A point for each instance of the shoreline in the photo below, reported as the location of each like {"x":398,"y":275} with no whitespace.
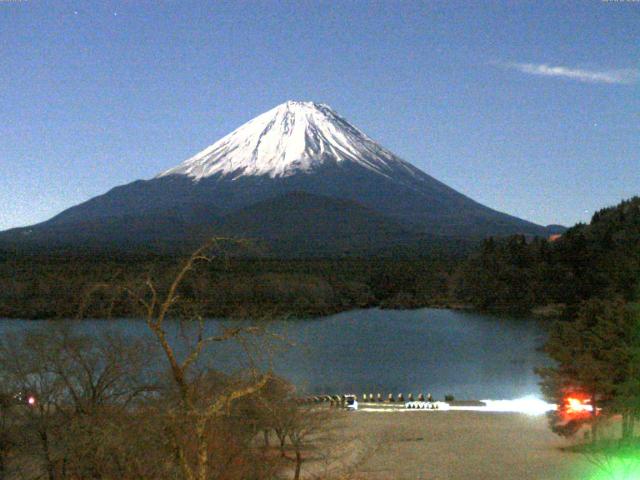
{"x":541,"y":313}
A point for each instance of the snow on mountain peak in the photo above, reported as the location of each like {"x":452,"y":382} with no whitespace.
{"x":290,"y":138}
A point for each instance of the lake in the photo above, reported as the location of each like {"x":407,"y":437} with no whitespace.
{"x":467,"y":354}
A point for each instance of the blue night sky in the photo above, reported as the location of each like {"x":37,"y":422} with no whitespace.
{"x":532,"y":108}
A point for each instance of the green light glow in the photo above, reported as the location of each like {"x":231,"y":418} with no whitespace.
{"x":615,"y":467}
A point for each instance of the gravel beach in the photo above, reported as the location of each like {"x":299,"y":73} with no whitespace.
{"x":451,"y":445}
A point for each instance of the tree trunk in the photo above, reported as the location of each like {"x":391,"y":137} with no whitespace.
{"x":296,"y":474}
{"x":266,"y":432}
{"x":594,"y":420}
{"x":625,"y":426}
{"x":51,"y":469}
{"x":2,"y":467}
{"x":282,"y":438}
{"x":203,"y":449}
{"x":628,"y":424}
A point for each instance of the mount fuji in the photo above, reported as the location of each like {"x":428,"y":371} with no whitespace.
{"x":299,"y":179}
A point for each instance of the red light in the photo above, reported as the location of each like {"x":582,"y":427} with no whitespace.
{"x":31,"y":400}
{"x":577,"y":406}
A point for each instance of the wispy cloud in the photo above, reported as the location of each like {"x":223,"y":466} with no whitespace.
{"x":626,"y":76}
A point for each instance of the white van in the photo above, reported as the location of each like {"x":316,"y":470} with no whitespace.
{"x":350,"y":402}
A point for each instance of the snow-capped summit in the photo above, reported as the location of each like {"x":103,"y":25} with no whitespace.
{"x":291,"y":138}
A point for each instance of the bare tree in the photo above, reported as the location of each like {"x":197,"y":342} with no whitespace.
{"x":197,"y":412}
{"x":277,"y":404}
{"x":103,"y":407}
{"x":8,"y":432}
{"x":305,"y":425}
{"x":68,"y":383}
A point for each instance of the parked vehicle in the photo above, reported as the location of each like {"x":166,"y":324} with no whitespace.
{"x":350,"y":402}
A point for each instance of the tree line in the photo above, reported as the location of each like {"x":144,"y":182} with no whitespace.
{"x":41,"y":286}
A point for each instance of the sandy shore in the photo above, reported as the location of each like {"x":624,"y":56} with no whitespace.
{"x":448,"y":446}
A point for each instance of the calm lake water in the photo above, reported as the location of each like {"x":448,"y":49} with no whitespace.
{"x":469,"y":355}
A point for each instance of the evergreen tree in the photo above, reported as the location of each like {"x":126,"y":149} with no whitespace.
{"x":596,"y":355}
{"x":627,"y":360}
{"x":599,"y":260}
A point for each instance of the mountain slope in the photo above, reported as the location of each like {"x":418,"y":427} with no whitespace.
{"x":299,"y":223}
{"x":295,"y":147}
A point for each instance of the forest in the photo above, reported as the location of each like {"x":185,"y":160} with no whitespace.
{"x":596,"y":260}
{"x":53,"y":286}
{"x":514,"y":274}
